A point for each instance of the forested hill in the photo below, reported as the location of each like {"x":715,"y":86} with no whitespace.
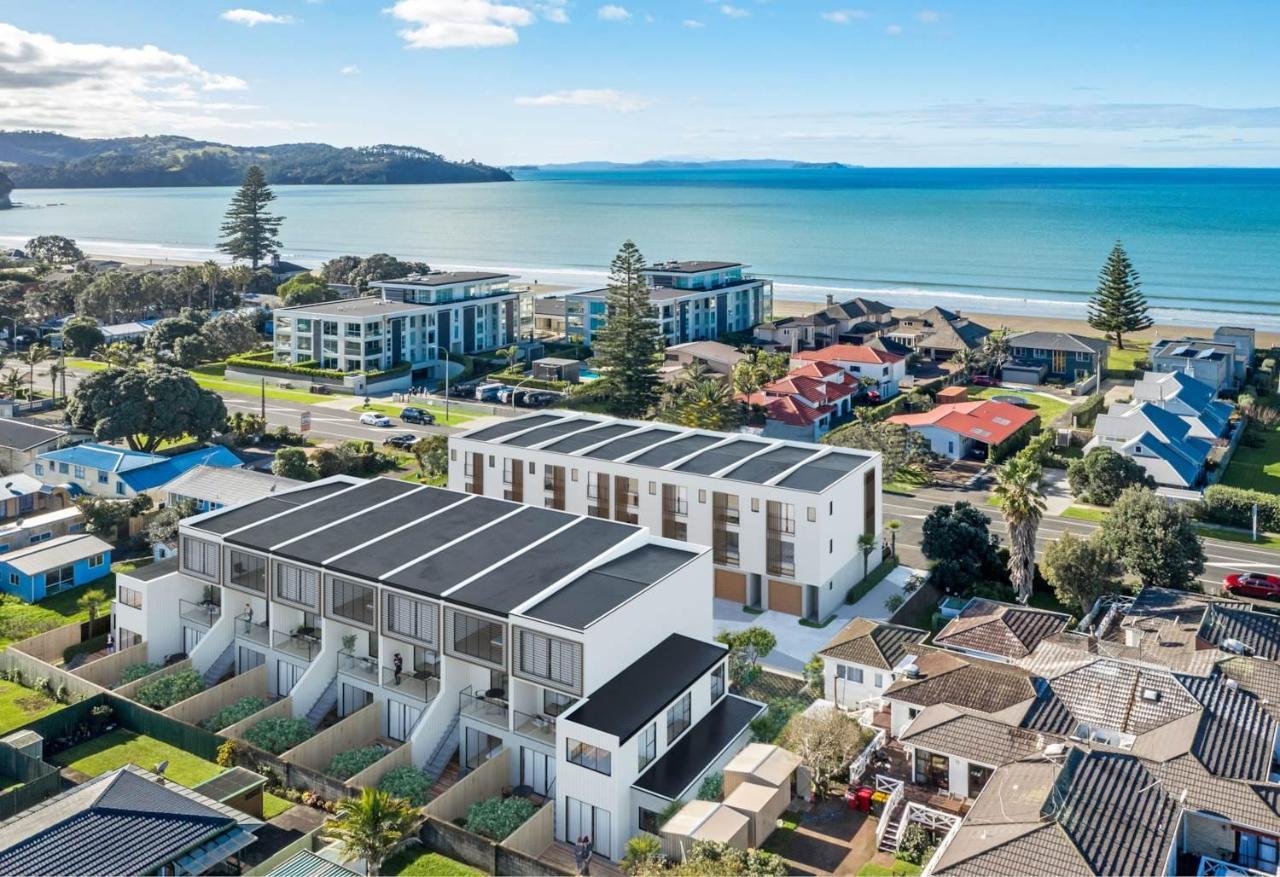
{"x":43,"y":159}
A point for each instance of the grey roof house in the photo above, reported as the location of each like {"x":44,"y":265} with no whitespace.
{"x":22,"y":440}
{"x":938,"y":334}
{"x":1210,"y":361}
{"x":1055,"y":356}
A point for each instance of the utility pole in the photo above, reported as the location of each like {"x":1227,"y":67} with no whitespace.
{"x":264,"y":403}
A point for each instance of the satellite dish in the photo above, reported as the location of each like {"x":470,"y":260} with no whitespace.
{"x":161,"y":768}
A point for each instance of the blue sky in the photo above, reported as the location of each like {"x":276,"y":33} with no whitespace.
{"x":885,"y":82}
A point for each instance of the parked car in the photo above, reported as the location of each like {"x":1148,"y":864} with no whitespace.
{"x":537,"y":399}
{"x":403,"y":441}
{"x":488,"y":392}
{"x":417,"y":415}
{"x":1253,"y":584}
{"x":373,"y":418}
{"x":984,"y":381}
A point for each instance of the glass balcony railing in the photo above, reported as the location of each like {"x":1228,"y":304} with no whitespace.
{"x":258,"y":632}
{"x":304,"y":646}
{"x":536,"y":727}
{"x":419,"y":685}
{"x":204,"y":614}
{"x":360,"y":666}
{"x":487,"y":706}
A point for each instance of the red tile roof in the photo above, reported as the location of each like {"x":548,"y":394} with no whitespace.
{"x":849,"y":353}
{"x":786,"y":410}
{"x":814,"y":390}
{"x":984,"y":420}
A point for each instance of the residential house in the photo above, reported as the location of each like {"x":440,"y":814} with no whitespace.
{"x":1212,"y":362}
{"x":1245,"y":342}
{"x":806,"y":403}
{"x":21,"y":440}
{"x":215,"y":487}
{"x":1159,"y":440}
{"x":968,"y":429}
{"x":121,"y":473}
{"x":54,"y":565}
{"x":582,"y":646}
{"x":694,"y":301}
{"x":999,"y":631}
{"x":857,"y":321}
{"x":1206,"y":416}
{"x":409,"y":321}
{"x":126,"y":821}
{"x":282,"y":270}
{"x":938,"y":334}
{"x":20,"y":532}
{"x":991,"y":688}
{"x":714,"y":356}
{"x":863,"y":362}
{"x":22,"y":495}
{"x":1038,"y":357}
{"x":783,"y":518}
{"x":861,"y":661}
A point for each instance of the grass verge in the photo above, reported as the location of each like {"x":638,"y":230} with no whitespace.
{"x":1226,"y":534}
{"x":1085,"y":513}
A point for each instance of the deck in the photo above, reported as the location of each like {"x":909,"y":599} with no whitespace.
{"x":560,"y":856}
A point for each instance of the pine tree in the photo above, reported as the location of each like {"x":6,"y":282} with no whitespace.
{"x":250,"y":232}
{"x":1118,"y":306}
{"x":629,"y":347}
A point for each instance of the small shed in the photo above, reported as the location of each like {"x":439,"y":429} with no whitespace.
{"x":707,"y":820}
{"x":554,"y":368}
{"x":236,"y":787}
{"x":952,"y":394}
{"x":764,"y":764}
{"x":762,"y":805}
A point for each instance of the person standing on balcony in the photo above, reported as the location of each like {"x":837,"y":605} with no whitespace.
{"x":397,"y":663}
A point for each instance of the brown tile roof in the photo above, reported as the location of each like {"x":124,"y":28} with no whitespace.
{"x":1004,"y":629}
{"x":963,"y":681}
{"x":1111,"y":695}
{"x":873,"y":643}
{"x":948,"y":731}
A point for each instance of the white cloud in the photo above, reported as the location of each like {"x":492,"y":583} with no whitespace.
{"x":894,"y":30}
{"x":253,"y":18}
{"x":928,"y":16}
{"x":103,"y":90}
{"x":734,"y":11}
{"x":599,"y":98}
{"x":844,"y":16}
{"x":553,"y":11}
{"x":613,"y":12}
{"x":693,"y":23}
{"x":453,"y":24}
{"x":349,"y":70}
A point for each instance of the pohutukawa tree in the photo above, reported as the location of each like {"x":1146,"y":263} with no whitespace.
{"x":629,"y":347}
{"x":249,"y":231}
{"x":1022,"y":502}
{"x":1118,"y":306}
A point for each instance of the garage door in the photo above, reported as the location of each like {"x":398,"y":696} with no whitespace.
{"x":785,"y":597}
{"x":731,"y":586}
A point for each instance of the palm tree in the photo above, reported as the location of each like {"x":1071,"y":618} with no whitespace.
{"x":997,"y":351}
{"x":55,"y":370}
{"x":240,"y":276}
{"x":370,"y":826}
{"x":12,"y":383}
{"x":893,"y":525}
{"x":512,"y":354}
{"x":36,"y":354}
{"x":120,"y":353}
{"x":1022,"y":502}
{"x":190,"y":279}
{"x":91,"y":601}
{"x":866,"y":544}
{"x":211,"y":276}
{"x":966,"y":361}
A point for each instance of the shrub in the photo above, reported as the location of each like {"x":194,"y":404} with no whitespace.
{"x":408,"y":783}
{"x":226,"y":756}
{"x":1087,"y":412}
{"x":136,"y":672}
{"x":164,"y":692}
{"x":495,"y":818}
{"x":1233,"y":507}
{"x":276,"y":734}
{"x":1102,"y":475}
{"x":712,"y":788}
{"x":916,"y":846}
{"x":236,"y":712}
{"x":643,"y":855}
{"x":347,"y":764}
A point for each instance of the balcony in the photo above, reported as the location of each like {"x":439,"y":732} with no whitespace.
{"x":536,"y":727}
{"x":487,"y":706}
{"x":259,"y":633}
{"x":204,"y":614}
{"x":359,"y":666}
{"x":419,"y":685}
{"x":300,"y":645}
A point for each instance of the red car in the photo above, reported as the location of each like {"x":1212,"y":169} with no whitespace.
{"x":984,"y":381}
{"x":1253,"y":584}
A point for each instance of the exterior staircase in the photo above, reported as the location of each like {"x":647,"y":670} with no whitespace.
{"x":892,"y":836}
{"x":221,"y":666}
{"x":450,"y":775}
{"x":327,"y":700}
{"x":440,"y":759}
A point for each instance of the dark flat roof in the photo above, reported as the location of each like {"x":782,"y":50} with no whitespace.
{"x":334,"y":540}
{"x":271,"y":533}
{"x":630,"y":700}
{"x":723,"y":457}
{"x":679,"y":766}
{"x":586,"y":438}
{"x":547,"y":433}
{"x":598,"y":592}
{"x":24,"y":435}
{"x":690,"y":267}
{"x":498,"y":430}
{"x":364,"y":306}
{"x":441,"y":278}
{"x":151,"y":571}
{"x":768,"y":465}
{"x":823,"y":472}
{"x":530,"y":572}
{"x":629,"y":444}
{"x":234,"y":519}
{"x":674,"y":450}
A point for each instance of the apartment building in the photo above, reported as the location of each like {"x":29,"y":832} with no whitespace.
{"x":694,"y":301}
{"x":408,"y":321}
{"x":783,"y":518}
{"x":559,"y":637}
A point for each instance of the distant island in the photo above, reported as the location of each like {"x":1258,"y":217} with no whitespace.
{"x":737,"y":164}
{"x":44,"y":159}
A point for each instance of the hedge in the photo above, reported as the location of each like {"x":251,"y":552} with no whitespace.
{"x":514,"y":378}
{"x":276,"y":734}
{"x":1087,"y":413}
{"x":1233,"y":507}
{"x":162,"y":693}
{"x":408,"y":783}
{"x":238,"y":711}
{"x":350,"y":762}
{"x":136,"y":672}
{"x":308,"y":368}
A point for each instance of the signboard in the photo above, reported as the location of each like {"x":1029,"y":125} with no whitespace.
{"x":305,"y":426}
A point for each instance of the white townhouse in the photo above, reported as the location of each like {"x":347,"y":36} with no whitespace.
{"x":783,"y":518}
{"x":558,"y":637}
{"x":695,"y":301}
{"x":407,"y":322}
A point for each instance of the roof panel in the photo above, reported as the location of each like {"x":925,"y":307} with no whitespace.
{"x":587,"y":438}
{"x":715,"y":459}
{"x":301,"y":521}
{"x":515,"y":424}
{"x":629,"y":444}
{"x":546,"y":433}
{"x":376,"y":524}
{"x":825,"y":471}
{"x":769,"y":465}
{"x":243,"y":516}
{"x":598,"y":592}
{"x":675,"y":450}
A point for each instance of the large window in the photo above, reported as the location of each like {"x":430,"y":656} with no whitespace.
{"x":588,"y":756}
{"x":297,"y":585}
{"x":679,"y":717}
{"x":57,"y":579}
{"x":129,"y":597}
{"x":247,"y":571}
{"x":647,"y":746}
{"x":869,"y":497}
{"x":548,"y":659}
{"x":781,"y":518}
{"x":473,"y":637}
{"x":781,"y":558}
{"x":411,"y":619}
{"x":717,"y":683}
{"x":352,"y":602}
{"x":725,"y":548}
{"x":724,"y":506}
{"x":199,"y":558}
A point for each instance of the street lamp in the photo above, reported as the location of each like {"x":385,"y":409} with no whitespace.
{"x":446,"y":379}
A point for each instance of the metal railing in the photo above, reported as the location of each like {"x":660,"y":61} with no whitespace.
{"x":358,"y":665}
{"x":199,"y":613}
{"x":298,"y":645}
{"x":259,"y":633}
{"x":477,"y":705}
{"x":420,"y":685}
{"x":536,"y":727}
{"x":1211,"y":867}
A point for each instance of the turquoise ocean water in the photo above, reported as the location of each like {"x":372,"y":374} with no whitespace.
{"x":1027,"y":241}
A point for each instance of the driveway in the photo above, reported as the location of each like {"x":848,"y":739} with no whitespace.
{"x":798,"y":642}
{"x":831,"y":839}
{"x":1057,"y":493}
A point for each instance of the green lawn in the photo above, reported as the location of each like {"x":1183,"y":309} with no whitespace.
{"x":1256,"y":468}
{"x":222,"y":385}
{"x":900,"y":868}
{"x":273,"y":806}
{"x":21,"y":620}
{"x":1265,"y":540}
{"x":1085,"y":513}
{"x":455,"y":418}
{"x":417,"y":862}
{"x":1048,"y":407}
{"x":907,"y":480}
{"x":1123,"y":363}
{"x":20,"y":705}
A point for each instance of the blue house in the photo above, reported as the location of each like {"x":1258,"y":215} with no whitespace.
{"x":120,"y":473}
{"x":53,"y":566}
{"x":1058,"y":356}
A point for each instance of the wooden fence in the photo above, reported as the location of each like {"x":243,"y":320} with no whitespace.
{"x":282,"y":708}
{"x":199,"y":707}
{"x":486,"y":781}
{"x":106,"y":671}
{"x":355,"y":731}
{"x":131,"y":690}
{"x":536,"y":835}
{"x":401,"y":756}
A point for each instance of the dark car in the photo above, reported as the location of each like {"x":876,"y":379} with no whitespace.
{"x":403,"y":442}
{"x":984,"y":381}
{"x":1253,"y":584}
{"x":417,"y":415}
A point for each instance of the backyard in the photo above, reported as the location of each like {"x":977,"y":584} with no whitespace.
{"x":1048,"y":407}
{"x":21,"y":620}
{"x":19,"y":705}
{"x":1256,"y":462}
{"x":414,"y":861}
{"x":1122,"y":364}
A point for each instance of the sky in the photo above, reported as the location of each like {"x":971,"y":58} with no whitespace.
{"x":882,"y":83}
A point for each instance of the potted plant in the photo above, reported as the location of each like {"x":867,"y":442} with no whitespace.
{"x":349,"y":643}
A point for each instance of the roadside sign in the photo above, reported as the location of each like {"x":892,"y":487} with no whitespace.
{"x":305,"y":426}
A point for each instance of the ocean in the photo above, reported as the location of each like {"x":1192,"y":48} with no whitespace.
{"x":1011,"y":241}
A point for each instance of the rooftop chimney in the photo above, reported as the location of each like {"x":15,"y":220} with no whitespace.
{"x":831,"y":299}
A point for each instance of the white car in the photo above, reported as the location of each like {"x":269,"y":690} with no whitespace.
{"x":373,"y":418}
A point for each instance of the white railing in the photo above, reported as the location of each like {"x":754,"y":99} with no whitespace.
{"x":1211,"y":867}
{"x":863,"y":761}
{"x":896,"y":789}
{"x":930,"y":818}
{"x":942,"y":846}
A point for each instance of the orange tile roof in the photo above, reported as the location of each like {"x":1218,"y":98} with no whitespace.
{"x":985,"y":420}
